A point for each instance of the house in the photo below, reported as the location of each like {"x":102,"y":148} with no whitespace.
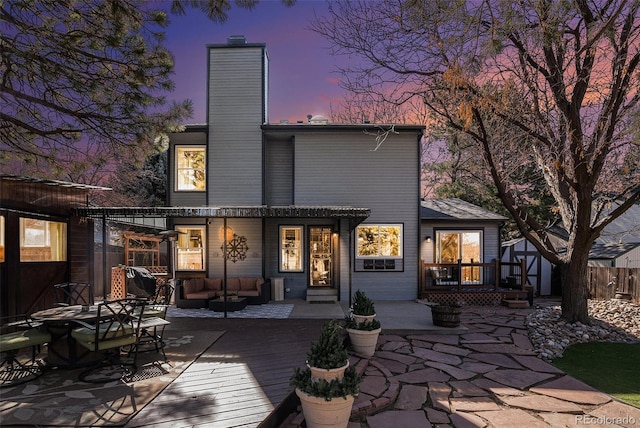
{"x":322,"y":209}
{"x":42,"y":242}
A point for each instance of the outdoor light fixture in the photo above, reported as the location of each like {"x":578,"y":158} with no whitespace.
{"x":225,"y":232}
{"x":428,"y":239}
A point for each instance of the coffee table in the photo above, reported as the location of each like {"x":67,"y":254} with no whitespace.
{"x":235,"y":304}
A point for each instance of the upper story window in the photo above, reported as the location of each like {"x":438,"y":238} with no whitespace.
{"x":190,"y":168}
{"x":379,"y":241}
{"x":42,"y":240}
{"x":191,"y":247}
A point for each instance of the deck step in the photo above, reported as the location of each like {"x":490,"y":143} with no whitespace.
{"x":322,"y":295}
{"x":519,"y":304}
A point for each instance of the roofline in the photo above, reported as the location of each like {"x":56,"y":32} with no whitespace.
{"x":338,"y":126}
{"x":259,"y":211}
{"x":55,"y":183}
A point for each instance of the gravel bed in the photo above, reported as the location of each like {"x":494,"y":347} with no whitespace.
{"x":612,"y":320}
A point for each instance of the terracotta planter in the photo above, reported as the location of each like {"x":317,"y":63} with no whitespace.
{"x":318,"y":373}
{"x":319,"y":412}
{"x":364,"y":342}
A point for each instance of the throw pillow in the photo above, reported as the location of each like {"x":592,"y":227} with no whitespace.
{"x":233,"y":284}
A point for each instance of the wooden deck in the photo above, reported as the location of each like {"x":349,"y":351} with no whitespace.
{"x":239,"y":380}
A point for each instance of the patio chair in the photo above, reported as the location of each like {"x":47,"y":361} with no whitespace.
{"x":154,"y":320}
{"x":73,"y":293}
{"x":116,"y":326}
{"x":18,"y":336}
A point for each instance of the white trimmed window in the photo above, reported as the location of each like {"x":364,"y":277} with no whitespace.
{"x":379,"y":241}
{"x":42,"y":240}
{"x":190,"y":248}
{"x":190,"y":168}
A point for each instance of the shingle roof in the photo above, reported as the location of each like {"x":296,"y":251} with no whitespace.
{"x":455,"y":209}
{"x":611,"y":250}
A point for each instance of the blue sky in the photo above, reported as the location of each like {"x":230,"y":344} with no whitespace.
{"x":302,"y":74}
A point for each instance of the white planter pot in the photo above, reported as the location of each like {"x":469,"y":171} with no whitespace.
{"x":364,"y":342}
{"x":319,"y":412}
{"x":359,"y":319}
{"x":318,"y":373}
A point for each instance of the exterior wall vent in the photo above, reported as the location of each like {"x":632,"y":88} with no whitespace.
{"x":236,"y":40}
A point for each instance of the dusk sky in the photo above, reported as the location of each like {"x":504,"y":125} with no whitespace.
{"x":302,"y":78}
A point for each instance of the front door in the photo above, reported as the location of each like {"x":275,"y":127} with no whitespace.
{"x":321,"y":256}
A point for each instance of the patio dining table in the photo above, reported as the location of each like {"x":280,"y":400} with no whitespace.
{"x":63,"y":350}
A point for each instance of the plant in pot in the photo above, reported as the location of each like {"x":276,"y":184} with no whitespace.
{"x":361,"y":326}
{"x":328,"y":386}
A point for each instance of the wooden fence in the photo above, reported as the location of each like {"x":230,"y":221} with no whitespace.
{"x":609,"y":282}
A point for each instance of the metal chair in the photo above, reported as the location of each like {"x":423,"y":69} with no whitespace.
{"x":116,"y":326}
{"x":154,"y":319}
{"x":19,"y":335}
{"x":73,"y":293}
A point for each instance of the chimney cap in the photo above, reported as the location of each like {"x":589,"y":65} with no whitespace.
{"x":237,"y":40}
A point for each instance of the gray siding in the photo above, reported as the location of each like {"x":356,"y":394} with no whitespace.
{"x":279,"y":172}
{"x":236,"y":111}
{"x":344,"y":169}
{"x":251,"y":229}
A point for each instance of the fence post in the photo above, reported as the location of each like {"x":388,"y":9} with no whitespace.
{"x":459,"y":275}
{"x":523,"y":273}
{"x":497,"y":275}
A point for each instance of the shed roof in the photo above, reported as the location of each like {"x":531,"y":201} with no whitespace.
{"x":455,"y":209}
{"x":611,"y":250}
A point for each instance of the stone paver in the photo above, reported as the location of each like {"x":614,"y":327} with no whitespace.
{"x":488,"y":376}
{"x":411,"y":397}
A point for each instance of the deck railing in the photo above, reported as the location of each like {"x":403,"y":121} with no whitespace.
{"x":462,"y":277}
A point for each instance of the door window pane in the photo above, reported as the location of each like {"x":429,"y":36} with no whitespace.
{"x":320,"y":256}
{"x":291,"y":248}
{"x":190,"y":168}
{"x":465,"y":246}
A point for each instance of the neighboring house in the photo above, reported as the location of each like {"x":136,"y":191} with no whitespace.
{"x":41,"y":241}
{"x":623,"y":255}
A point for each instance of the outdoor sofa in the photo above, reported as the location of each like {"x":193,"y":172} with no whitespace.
{"x":196,"y":292}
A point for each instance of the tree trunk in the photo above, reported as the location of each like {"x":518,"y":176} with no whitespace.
{"x":575,"y":292}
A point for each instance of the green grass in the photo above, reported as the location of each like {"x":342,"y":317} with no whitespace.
{"x":609,"y":367}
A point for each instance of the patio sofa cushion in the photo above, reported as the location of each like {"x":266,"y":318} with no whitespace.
{"x":255,"y":289}
{"x":248,"y":284}
{"x":213,"y":284}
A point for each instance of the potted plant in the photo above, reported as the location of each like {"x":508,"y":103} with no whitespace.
{"x":327,"y":401}
{"x":361,"y":326}
{"x":362,"y":308}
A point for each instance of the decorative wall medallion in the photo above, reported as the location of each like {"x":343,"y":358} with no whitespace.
{"x":236,"y":248}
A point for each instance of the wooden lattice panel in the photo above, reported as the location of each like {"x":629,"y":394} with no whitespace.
{"x":470,"y":299}
{"x":118,"y":283}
